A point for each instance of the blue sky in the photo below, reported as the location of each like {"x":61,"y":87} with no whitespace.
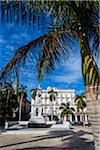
{"x":66,"y":75}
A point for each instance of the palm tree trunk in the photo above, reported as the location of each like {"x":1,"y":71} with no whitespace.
{"x":7,"y":102}
{"x":83,"y":120}
{"x":6,"y":115}
{"x":93,"y":102}
{"x":93,"y":107}
{"x":67,"y":117}
{"x":20,"y":107}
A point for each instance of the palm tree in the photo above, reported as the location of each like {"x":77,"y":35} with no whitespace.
{"x":11,"y":100}
{"x":69,"y":20}
{"x":81,"y":104}
{"x":22,"y":94}
{"x":2,"y":107}
{"x":52,"y":97}
{"x":8,"y":103}
{"x":33,"y":93}
{"x":66,"y":110}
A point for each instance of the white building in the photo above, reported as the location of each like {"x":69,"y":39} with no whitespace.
{"x":42,"y":106}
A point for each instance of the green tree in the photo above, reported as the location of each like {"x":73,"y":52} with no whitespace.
{"x":66,"y":110}
{"x":69,"y":20}
{"x":33,"y":93}
{"x":81,"y":104}
{"x":11,"y":100}
{"x":8,"y":103}
{"x":52,"y":97}
{"x":2,"y":108}
{"x":22,"y":95}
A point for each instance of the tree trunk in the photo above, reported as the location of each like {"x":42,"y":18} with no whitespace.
{"x":83,"y":120}
{"x":93,"y":102}
{"x":20,"y":107}
{"x":93,"y":108}
{"x":7,"y":103}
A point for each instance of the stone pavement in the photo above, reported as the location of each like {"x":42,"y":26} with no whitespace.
{"x":78,"y":138}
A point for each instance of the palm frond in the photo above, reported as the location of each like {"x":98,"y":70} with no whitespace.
{"x":33,"y":93}
{"x":52,"y":94}
{"x":55,"y":48}
{"x":80,"y":102}
{"x":66,"y":109}
{"x":50,"y":52}
{"x":20,"y":55}
{"x":90,"y":69}
{"x":87,"y":17}
{"x":68,"y":14}
{"x":72,"y":109}
{"x":64,"y":106}
{"x":64,"y":14}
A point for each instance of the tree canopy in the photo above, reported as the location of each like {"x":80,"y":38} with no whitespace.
{"x":66,"y":109}
{"x":80,"y":101}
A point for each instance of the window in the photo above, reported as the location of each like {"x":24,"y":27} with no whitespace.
{"x":42,"y":112}
{"x":36,"y":111}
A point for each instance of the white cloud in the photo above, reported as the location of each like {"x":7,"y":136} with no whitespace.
{"x":2,"y":40}
{"x":72,"y":78}
{"x":74,"y":63}
{"x":10,"y":47}
{"x":70,"y":72}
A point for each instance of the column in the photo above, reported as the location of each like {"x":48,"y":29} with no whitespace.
{"x":81,"y":118}
{"x":86,"y":119}
{"x":70,"y":118}
{"x":76,"y":120}
{"x":40,"y":111}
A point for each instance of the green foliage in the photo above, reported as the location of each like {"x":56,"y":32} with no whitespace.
{"x":22,"y":91}
{"x":8,"y":102}
{"x":52,"y":94}
{"x":69,"y":20}
{"x":80,"y":101}
{"x":2,"y":101}
{"x":66,"y":110}
{"x":33,"y":93}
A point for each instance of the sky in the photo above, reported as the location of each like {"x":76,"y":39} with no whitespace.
{"x":67,"y":74}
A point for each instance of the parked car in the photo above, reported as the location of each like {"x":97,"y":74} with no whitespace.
{"x":59,"y":122}
{"x":80,"y":123}
{"x":73,"y":122}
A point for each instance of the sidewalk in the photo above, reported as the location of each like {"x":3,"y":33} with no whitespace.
{"x":78,"y":138}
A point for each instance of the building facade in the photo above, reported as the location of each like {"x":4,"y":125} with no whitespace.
{"x":43,"y":106}
{"x":26,"y":108}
